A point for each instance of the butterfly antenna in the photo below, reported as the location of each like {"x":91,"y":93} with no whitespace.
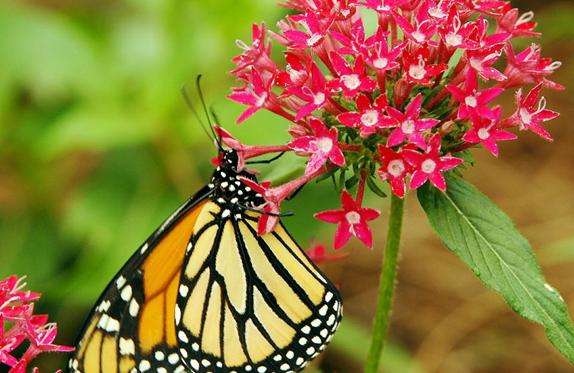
{"x":187,"y":99}
{"x":206,"y":112}
{"x":267,"y":161}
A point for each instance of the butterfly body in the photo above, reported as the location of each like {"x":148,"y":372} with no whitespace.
{"x":206,"y":293}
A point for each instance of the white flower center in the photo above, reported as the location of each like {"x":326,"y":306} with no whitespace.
{"x":324,"y":144}
{"x":454,"y":40}
{"x":351,"y":81}
{"x":419,"y":36}
{"x":525,"y":116}
{"x":295,"y":75}
{"x":353,"y":217}
{"x":408,"y":127}
{"x":370,"y":118}
{"x":476,"y":64}
{"x":437,"y":12}
{"x":471,"y":101}
{"x":319,"y":99}
{"x":417,"y":72}
{"x":396,"y":167}
{"x":314,"y":39}
{"x":428,"y":166}
{"x":483,"y":134}
{"x":261,"y":100}
{"x":380,"y":63}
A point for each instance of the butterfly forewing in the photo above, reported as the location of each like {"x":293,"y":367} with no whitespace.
{"x":132,"y":328}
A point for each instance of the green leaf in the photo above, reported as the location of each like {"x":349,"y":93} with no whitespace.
{"x":372,"y":184}
{"x":485,"y":238}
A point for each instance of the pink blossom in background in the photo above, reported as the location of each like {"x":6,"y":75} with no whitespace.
{"x":394,"y":102}
{"x":319,"y":255}
{"x":19,"y":326}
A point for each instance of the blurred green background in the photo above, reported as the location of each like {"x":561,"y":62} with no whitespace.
{"x":97,"y":147}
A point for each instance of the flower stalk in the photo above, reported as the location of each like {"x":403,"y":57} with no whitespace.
{"x":386,"y":285}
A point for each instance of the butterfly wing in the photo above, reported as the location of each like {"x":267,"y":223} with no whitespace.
{"x":251,"y":303}
{"x":132,"y":327}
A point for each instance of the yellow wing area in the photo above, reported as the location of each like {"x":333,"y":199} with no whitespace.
{"x":268,"y":286}
{"x":102,"y":348}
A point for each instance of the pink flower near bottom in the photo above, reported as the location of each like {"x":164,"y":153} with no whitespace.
{"x":430,"y":166}
{"x":19,"y":326}
{"x":394,"y":169}
{"x":352,"y":220}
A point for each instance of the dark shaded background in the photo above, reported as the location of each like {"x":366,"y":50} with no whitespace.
{"x":97,"y":148}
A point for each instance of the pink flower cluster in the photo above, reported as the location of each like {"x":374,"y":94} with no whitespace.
{"x":392,"y":89}
{"x":20,"y":327}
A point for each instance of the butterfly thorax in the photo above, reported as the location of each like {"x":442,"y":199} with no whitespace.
{"x":229,"y":191}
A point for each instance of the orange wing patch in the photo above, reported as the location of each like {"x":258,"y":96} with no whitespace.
{"x":161,"y":271}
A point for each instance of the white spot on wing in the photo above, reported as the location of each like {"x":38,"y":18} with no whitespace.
{"x":127,"y":346}
{"x":134,"y":308}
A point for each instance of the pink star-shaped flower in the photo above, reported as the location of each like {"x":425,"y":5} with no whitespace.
{"x":314,"y":95}
{"x":256,"y":55}
{"x":532,"y":113}
{"x":296,"y":72}
{"x":421,"y":32}
{"x":351,"y":80}
{"x":486,"y":131}
{"x":378,"y":54}
{"x":481,"y":61}
{"x":369,"y":117}
{"x":19,"y":326}
{"x":418,"y":69}
{"x":529,"y":67}
{"x":409,"y":125}
{"x":255,"y":94}
{"x":457,"y":35}
{"x":316,"y":29}
{"x":518,"y":25}
{"x":394,"y":169}
{"x":322,"y":146}
{"x":430,"y":165}
{"x":352,"y":43}
{"x":438,"y":11}
{"x":352,"y":220}
{"x":486,"y":40}
{"x":473,"y":103}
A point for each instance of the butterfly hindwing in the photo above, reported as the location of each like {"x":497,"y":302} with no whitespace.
{"x":248,"y":302}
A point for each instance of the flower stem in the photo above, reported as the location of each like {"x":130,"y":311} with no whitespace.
{"x":386,"y":286}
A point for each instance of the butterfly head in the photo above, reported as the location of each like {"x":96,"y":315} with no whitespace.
{"x":227,"y":186}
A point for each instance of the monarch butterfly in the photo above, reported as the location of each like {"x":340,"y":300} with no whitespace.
{"x":205,"y":293}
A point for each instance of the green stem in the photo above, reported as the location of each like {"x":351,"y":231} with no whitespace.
{"x":386,"y":286}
